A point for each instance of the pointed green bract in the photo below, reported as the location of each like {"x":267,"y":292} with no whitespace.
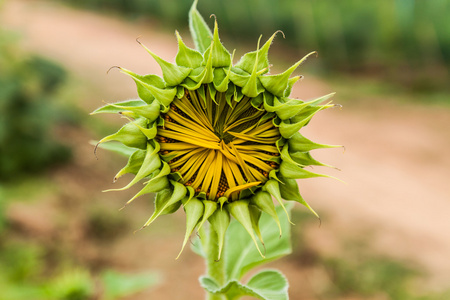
{"x":194,"y":211}
{"x":186,"y":56}
{"x":239,"y":210}
{"x":200,"y":32}
{"x":173,"y":74}
{"x":264,"y":202}
{"x":220,"y":220}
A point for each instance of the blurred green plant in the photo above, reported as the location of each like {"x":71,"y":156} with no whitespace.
{"x":28,"y":87}
{"x":388,"y":38}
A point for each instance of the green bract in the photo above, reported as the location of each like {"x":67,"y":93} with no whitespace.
{"x":217,"y":138}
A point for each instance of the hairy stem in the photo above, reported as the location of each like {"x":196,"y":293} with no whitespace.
{"x":215,"y":268}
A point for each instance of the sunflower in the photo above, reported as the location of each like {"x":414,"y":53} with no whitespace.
{"x":215,"y":137}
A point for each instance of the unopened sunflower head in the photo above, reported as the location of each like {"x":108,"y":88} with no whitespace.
{"x":219,"y":139}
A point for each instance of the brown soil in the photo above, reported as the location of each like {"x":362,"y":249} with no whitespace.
{"x":396,"y":162}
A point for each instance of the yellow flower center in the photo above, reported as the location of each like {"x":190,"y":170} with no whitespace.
{"x":218,"y":145}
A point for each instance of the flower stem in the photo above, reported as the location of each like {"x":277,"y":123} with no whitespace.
{"x":215,"y":268}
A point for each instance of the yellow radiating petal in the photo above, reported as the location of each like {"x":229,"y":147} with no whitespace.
{"x":185,"y":156}
{"x":242,"y":164}
{"x":267,"y":148}
{"x":177,"y":146}
{"x":205,"y":134}
{"x":217,"y":172}
{"x":190,"y":169}
{"x":240,"y":188}
{"x":188,"y":123}
{"x":203,"y":169}
{"x":206,"y":184}
{"x":188,"y":139}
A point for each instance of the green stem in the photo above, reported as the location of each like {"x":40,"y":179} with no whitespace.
{"x":215,"y":269}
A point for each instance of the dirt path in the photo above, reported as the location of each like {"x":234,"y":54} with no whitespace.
{"x":396,"y":162}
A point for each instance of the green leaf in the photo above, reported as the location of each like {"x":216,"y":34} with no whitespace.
{"x":200,"y":31}
{"x":265,"y":285}
{"x":270,"y":284}
{"x":241,"y":255}
{"x":117,"y":285}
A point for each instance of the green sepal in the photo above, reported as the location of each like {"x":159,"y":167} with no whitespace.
{"x":129,"y":135}
{"x":208,"y":72}
{"x":151,"y":111}
{"x":171,"y":209}
{"x":150,"y":133}
{"x":191,"y":84}
{"x":222,"y":200}
{"x":133,"y":165}
{"x":220,"y":220}
{"x":222,"y":78}
{"x":285,"y":156}
{"x":113,"y":108}
{"x":186,"y":56}
{"x":156,"y":184}
{"x":152,"y":84}
{"x":264,"y":202}
{"x":178,"y":192}
{"x":212,"y":92}
{"x":305,"y":159}
{"x":220,"y":55}
{"x":210,"y":208}
{"x":115,"y":147}
{"x":290,"y":85}
{"x":239,"y":77}
{"x":191,"y":192}
{"x":291,"y":108}
{"x":230,"y":93}
{"x":298,"y":143}
{"x":255,"y":215}
{"x":194,"y":211}
{"x":272,"y":187}
{"x":308,"y":112}
{"x":151,"y":163}
{"x":173,"y":74}
{"x":257,"y":101}
{"x":180,"y":92}
{"x":248,"y":60}
{"x":293,"y":171}
{"x":273,"y":175}
{"x":200,"y":31}
{"x":140,"y":80}
{"x":272,"y":103}
{"x":290,"y":192}
{"x":289,"y":127}
{"x":250,"y":89}
{"x":238,"y":95}
{"x":239,"y":210}
{"x":277,"y":84}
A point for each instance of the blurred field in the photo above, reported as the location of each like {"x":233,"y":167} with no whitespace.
{"x":389,"y":223}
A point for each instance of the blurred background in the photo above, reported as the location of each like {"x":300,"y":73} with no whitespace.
{"x":385,"y":234}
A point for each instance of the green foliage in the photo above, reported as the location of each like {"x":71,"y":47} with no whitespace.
{"x":240,"y":256}
{"x":369,"y":276}
{"x":75,"y":284}
{"x":382,"y":36}
{"x":266,"y":285}
{"x":119,"y":285}
{"x":27,"y":112}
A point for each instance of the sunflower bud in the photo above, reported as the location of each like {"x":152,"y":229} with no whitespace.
{"x":217,"y":138}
